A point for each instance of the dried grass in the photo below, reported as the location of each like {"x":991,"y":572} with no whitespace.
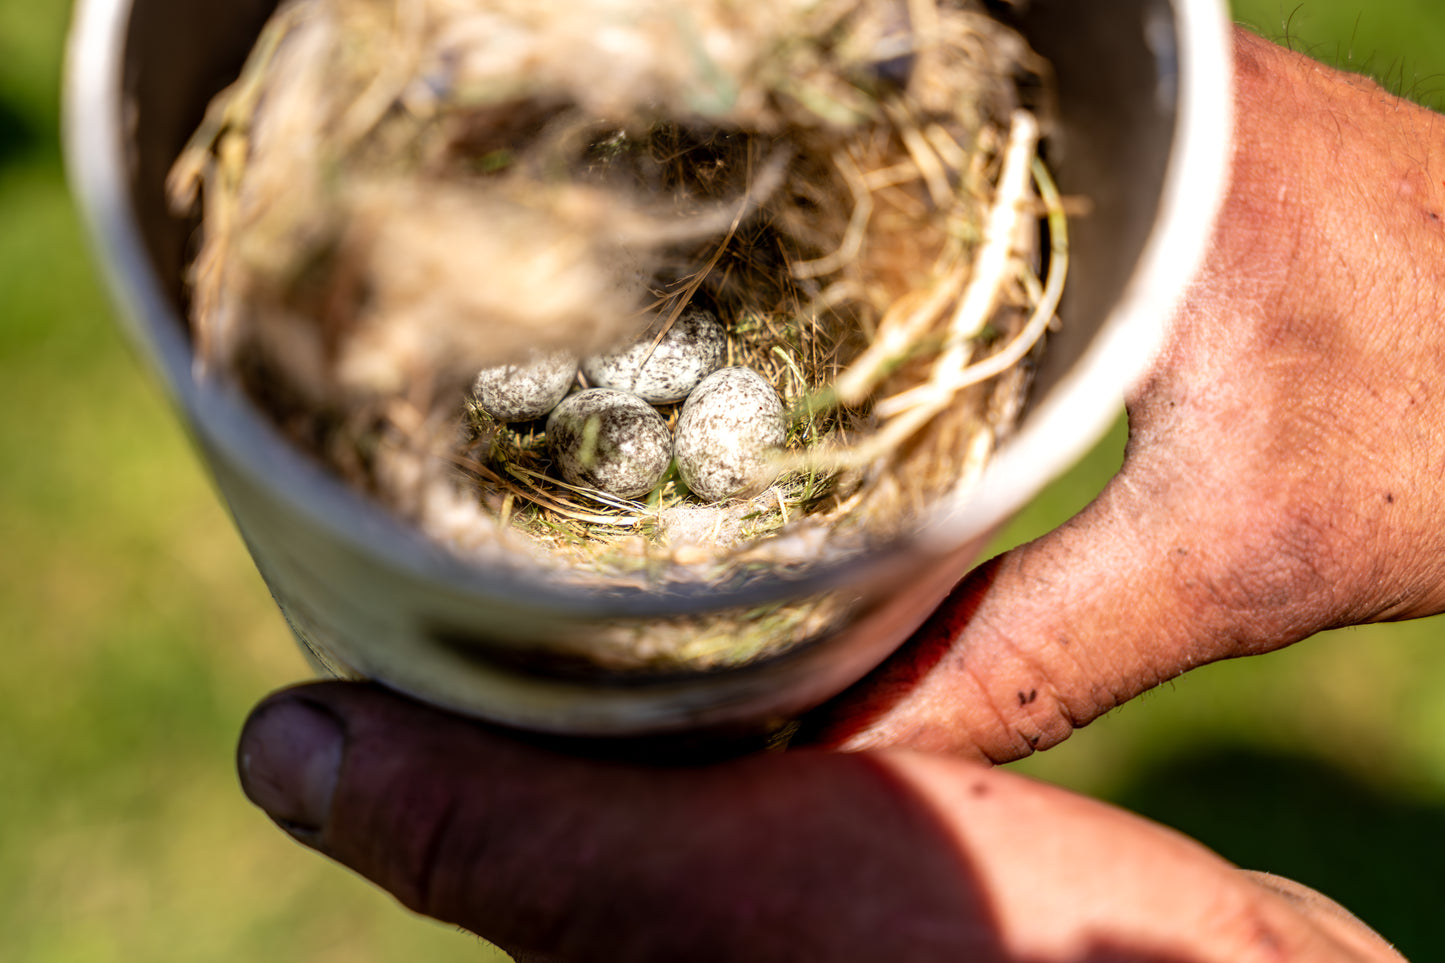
{"x":397,"y":193}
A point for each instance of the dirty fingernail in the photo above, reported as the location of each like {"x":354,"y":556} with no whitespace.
{"x":289,"y":760}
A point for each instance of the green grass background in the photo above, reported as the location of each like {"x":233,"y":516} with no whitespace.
{"x":136,"y":635}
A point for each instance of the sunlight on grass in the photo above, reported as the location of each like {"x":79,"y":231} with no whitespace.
{"x":1397,"y":43}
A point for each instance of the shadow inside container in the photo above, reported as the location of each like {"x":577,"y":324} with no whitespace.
{"x":1376,"y":853}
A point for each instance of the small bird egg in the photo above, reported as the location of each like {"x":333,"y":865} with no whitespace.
{"x":731,"y":424}
{"x":695,"y":346}
{"x":524,"y":392}
{"x":610,"y":440}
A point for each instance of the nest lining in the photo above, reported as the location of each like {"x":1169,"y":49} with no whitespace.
{"x":398,"y":193}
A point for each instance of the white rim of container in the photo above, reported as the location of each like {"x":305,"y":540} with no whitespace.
{"x":1062,"y":428}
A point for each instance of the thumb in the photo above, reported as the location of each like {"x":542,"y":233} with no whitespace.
{"x":780,"y":856}
{"x":556,"y":857}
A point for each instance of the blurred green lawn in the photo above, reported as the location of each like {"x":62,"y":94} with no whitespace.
{"x":137,"y":635}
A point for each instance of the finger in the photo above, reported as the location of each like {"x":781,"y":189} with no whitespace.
{"x":1154,"y":578}
{"x":780,"y":857}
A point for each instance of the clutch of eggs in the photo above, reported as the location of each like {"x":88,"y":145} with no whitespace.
{"x":665,"y":372}
{"x":729,"y":428}
{"x":609,"y":437}
{"x":611,"y":440}
{"x":527,"y":391}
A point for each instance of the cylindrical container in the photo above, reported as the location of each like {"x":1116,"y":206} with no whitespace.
{"x":1143,"y":133}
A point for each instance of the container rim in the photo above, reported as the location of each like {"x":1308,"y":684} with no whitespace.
{"x":1071,"y":420}
{"x":1056,"y":433}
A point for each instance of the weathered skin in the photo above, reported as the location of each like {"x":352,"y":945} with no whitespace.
{"x":1285,"y":454}
{"x":1283,"y":476}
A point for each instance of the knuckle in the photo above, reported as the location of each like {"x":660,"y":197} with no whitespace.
{"x":1042,"y":668}
{"x":408,"y":822}
{"x":415,"y":846}
{"x":1023,"y":690}
{"x":1246,"y":932}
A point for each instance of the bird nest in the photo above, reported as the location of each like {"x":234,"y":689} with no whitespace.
{"x":396,"y":194}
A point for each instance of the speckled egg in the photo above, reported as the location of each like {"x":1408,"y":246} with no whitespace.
{"x":731,"y":424}
{"x":523,"y":392}
{"x":695,"y":346}
{"x":611,"y":440}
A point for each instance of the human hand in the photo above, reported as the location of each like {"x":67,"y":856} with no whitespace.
{"x":1285,"y":454}
{"x":797,"y":856}
{"x":1279,"y":481}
